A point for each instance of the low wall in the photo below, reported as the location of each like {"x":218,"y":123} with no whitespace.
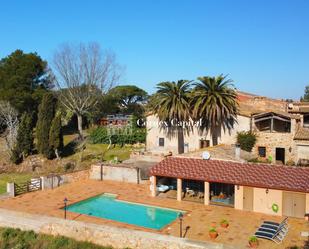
{"x":115,"y":172}
{"x":53,"y":181}
{"x":101,"y":234}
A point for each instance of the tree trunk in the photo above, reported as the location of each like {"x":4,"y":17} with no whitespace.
{"x":57,"y":154}
{"x":180,"y":140}
{"x":80,"y":125}
{"x":214,"y":135}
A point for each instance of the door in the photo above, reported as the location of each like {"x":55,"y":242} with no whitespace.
{"x":248,"y":198}
{"x":294,"y":204}
{"x":280,"y":155}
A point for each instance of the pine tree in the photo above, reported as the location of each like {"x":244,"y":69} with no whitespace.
{"x":55,"y":135}
{"x":24,"y":140}
{"x":45,"y":117}
{"x":306,"y":95}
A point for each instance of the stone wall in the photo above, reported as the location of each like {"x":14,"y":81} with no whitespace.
{"x":121,"y":172}
{"x":101,"y":234}
{"x":273,"y":140}
{"x":53,"y":181}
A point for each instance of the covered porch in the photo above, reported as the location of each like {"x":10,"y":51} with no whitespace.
{"x":208,"y":193}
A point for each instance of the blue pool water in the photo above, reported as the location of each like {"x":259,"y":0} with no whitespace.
{"x":106,"y":206}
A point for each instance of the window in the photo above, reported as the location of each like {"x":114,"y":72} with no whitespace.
{"x":262,"y":151}
{"x":161,"y":141}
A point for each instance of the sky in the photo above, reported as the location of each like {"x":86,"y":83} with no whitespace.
{"x":262,"y":45}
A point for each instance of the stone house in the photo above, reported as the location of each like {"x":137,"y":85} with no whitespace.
{"x":282,"y":130}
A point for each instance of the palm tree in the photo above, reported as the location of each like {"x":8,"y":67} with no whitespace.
{"x":171,"y":103}
{"x":215,"y":102}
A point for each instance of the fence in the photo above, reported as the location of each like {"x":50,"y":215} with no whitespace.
{"x":45,"y":182}
{"x":34,"y":185}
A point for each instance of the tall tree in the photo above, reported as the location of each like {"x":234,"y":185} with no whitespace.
{"x":171,"y":103}
{"x":84,"y":72}
{"x":214,"y":101}
{"x":24,"y":141}
{"x":23,"y":80}
{"x":56,"y":136}
{"x":306,"y":94}
{"x":47,"y":110}
{"x":130,"y":98}
{"x":9,"y":119}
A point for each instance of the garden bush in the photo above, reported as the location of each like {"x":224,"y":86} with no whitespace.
{"x":18,"y":239}
{"x":121,"y":136}
{"x":246,"y":140}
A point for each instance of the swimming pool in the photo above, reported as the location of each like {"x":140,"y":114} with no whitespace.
{"x":108,"y":207}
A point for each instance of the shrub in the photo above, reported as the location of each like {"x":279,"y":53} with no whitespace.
{"x":224,"y":222}
{"x":246,"y":140}
{"x":17,"y":239}
{"x":121,"y":136}
{"x":253,"y":239}
{"x":212,"y":230}
{"x":69,"y":167}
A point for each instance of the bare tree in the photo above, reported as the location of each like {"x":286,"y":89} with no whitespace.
{"x":83,"y":73}
{"x":9,"y":119}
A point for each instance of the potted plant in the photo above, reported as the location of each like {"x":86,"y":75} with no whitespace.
{"x":213,"y":233}
{"x":224,"y":223}
{"x":253,"y":242}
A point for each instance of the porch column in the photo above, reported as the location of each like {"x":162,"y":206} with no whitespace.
{"x":153,"y":186}
{"x":239,"y":197}
{"x":307,"y":203}
{"x":179,"y":189}
{"x":206,"y":193}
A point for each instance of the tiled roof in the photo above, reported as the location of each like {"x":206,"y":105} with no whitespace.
{"x":246,"y":174}
{"x":302,"y":134}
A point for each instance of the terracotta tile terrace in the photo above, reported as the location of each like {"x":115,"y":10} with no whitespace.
{"x":199,"y":218}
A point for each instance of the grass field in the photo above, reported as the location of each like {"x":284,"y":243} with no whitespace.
{"x":15,"y":238}
{"x":12,"y":177}
{"x":96,"y":151}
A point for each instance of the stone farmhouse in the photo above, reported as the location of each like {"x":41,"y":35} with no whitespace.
{"x":282,"y":129}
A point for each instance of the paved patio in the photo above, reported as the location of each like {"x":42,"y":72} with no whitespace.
{"x":199,"y":218}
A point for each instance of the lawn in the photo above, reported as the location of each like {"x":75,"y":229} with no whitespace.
{"x":96,"y":151}
{"x":13,"y":177}
{"x":15,"y":238}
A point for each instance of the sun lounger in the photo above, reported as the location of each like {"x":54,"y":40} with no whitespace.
{"x":162,"y":188}
{"x":276,"y":223}
{"x":273,"y":231}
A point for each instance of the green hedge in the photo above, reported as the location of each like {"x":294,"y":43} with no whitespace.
{"x":246,"y":140}
{"x":121,"y":136}
{"x":17,"y":239}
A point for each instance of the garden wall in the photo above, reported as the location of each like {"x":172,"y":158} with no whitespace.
{"x":101,"y":234}
{"x":53,"y":181}
{"x":115,"y":172}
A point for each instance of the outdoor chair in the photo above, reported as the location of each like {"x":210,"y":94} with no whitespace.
{"x":200,"y":195}
{"x":276,"y":223}
{"x":273,"y":231}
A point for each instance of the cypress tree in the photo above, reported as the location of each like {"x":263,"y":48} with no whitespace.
{"x":56,"y":136}
{"x":24,"y":140}
{"x":45,"y":117}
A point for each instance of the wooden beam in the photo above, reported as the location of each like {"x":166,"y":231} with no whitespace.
{"x":275,"y":117}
